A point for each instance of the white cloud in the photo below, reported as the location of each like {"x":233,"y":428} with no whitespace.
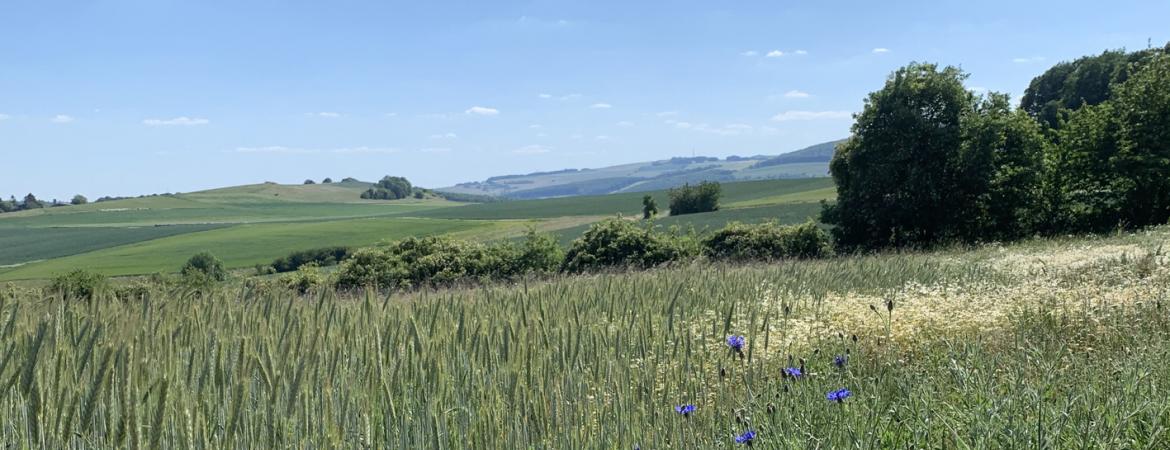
{"x":178,"y":121}
{"x":881,"y":50}
{"x":61,"y":118}
{"x":482,"y":111}
{"x":563,"y":98}
{"x":682,"y":125}
{"x":5,"y":117}
{"x":272,"y":149}
{"x":667,"y":114}
{"x":775,"y":54}
{"x":796,"y":94}
{"x":811,"y":115}
{"x":625,"y":124}
{"x":601,"y":137}
{"x":445,"y":136}
{"x":801,"y":52}
{"x":541,"y":135}
{"x":534,"y":126}
{"x":362,"y":150}
{"x":435,"y":150}
{"x":601,"y":106}
{"x":326,"y":114}
{"x":545,"y":96}
{"x":750,"y":53}
{"x":1032,"y":59}
{"x":533,"y":149}
{"x":390,"y":114}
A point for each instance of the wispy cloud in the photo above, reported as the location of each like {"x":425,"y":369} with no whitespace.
{"x":535,"y":126}
{"x":5,"y":117}
{"x":61,"y":118}
{"x":563,"y":98}
{"x":280,"y":149}
{"x":667,"y":114}
{"x":435,"y":150}
{"x":445,"y":136}
{"x":1028,"y":60}
{"x":601,"y":137}
{"x":811,"y":115}
{"x":625,"y":124}
{"x":481,"y":111}
{"x":533,"y":149}
{"x":601,"y":106}
{"x":775,"y":54}
{"x":801,"y":52}
{"x":326,"y":114}
{"x":880,"y":50}
{"x":796,"y":94}
{"x":178,"y":121}
{"x":749,"y":53}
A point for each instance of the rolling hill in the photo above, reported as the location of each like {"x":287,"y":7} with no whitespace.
{"x":811,"y":162}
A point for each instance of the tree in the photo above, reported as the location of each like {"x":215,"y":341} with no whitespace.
{"x":205,"y":266}
{"x":79,"y":200}
{"x":30,"y":202}
{"x":1087,"y":81}
{"x":649,"y":207}
{"x":327,"y":180}
{"x":1143,"y":161}
{"x":389,"y":188}
{"x":896,"y":176}
{"x":309,"y":182}
{"x":695,"y":199}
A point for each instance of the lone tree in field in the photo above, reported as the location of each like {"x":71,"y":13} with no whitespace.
{"x":930,"y":162}
{"x":327,"y":180}
{"x":79,"y":200}
{"x":310,"y":182}
{"x":389,"y":188}
{"x":695,"y":199}
{"x":204,"y":265}
{"x":30,"y":202}
{"x":649,"y":207}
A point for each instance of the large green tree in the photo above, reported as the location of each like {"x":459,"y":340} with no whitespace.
{"x":1086,"y":81}
{"x":1142,"y":106}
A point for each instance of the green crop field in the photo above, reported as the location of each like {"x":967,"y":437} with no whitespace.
{"x":1043,"y":344}
{"x":30,"y":244}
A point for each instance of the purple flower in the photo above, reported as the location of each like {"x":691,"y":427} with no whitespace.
{"x":685,"y":410}
{"x":839,"y":395}
{"x":840,"y":361}
{"x":746,"y":438}
{"x":736,"y":343}
{"x":793,"y":372}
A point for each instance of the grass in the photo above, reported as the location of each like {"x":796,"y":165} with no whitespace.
{"x":242,"y":245}
{"x":785,"y":213}
{"x":625,"y":203}
{"x":22,"y":245}
{"x":1045,"y":344}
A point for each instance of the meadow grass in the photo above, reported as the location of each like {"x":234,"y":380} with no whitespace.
{"x":1051,"y":344}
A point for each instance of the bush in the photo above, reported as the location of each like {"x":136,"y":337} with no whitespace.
{"x":309,"y":182}
{"x":440,"y":261}
{"x":767,"y":241}
{"x":326,"y":256}
{"x":327,"y":180}
{"x":695,"y":199}
{"x":305,"y":279}
{"x":206,"y":266}
{"x":618,"y":242}
{"x":79,"y":284}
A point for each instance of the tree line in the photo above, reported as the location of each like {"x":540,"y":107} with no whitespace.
{"x":931,"y":162}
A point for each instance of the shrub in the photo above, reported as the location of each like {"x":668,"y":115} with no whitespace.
{"x":79,"y":284}
{"x":439,"y":261}
{"x":618,"y":242}
{"x":767,"y":241}
{"x":695,"y":199}
{"x":204,"y":265}
{"x":327,"y":180}
{"x":305,"y":279}
{"x":309,"y":182}
{"x":326,"y":256}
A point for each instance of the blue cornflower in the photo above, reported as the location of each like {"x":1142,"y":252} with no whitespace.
{"x":736,"y":343}
{"x":840,"y":360}
{"x":839,"y":395}
{"x":793,"y":372}
{"x":685,"y":410}
{"x":746,"y":438}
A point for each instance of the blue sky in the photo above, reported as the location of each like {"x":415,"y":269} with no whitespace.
{"x":124,"y":97}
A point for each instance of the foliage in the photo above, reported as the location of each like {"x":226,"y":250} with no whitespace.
{"x":766,"y":242}
{"x":1086,"y":81}
{"x":327,"y":180}
{"x":442,"y":261}
{"x":79,"y":284}
{"x":620,"y":243}
{"x":649,"y":207}
{"x":307,"y":181}
{"x":204,"y":265}
{"x":306,"y":278}
{"x":325,"y":256}
{"x":688,"y":199}
{"x":389,"y":188}
{"x":79,"y":200}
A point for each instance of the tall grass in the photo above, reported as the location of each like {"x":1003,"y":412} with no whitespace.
{"x":601,"y":361}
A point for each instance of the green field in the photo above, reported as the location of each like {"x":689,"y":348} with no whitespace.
{"x":1043,"y":344}
{"x":247,"y":225}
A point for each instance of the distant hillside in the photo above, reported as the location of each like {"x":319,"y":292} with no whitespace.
{"x":811,"y":162}
{"x":822,"y":152}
